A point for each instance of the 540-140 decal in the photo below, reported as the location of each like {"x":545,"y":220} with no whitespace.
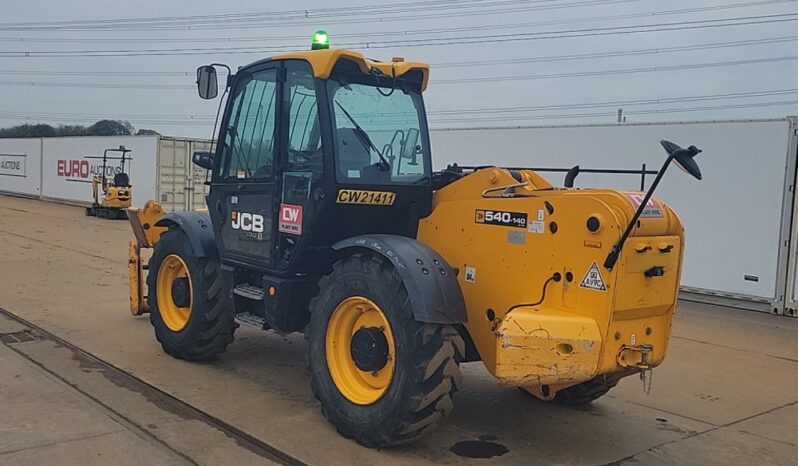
{"x":356,"y":196}
{"x":501,"y":218}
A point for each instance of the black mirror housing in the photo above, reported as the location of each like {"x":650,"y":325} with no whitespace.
{"x":207,"y":82}
{"x":203,"y":160}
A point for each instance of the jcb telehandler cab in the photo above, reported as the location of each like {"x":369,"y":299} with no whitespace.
{"x":111,"y":196}
{"x":325,"y":216}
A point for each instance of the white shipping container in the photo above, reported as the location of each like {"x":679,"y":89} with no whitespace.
{"x":62,"y":168}
{"x":20,"y":166}
{"x":737,"y":220}
{"x":70,"y":163}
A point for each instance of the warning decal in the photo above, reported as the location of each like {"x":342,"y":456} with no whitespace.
{"x":653,"y":208}
{"x":593,"y":280}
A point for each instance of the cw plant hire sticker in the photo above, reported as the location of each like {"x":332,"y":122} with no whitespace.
{"x":593,"y":280}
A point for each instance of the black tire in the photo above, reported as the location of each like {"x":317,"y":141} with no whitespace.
{"x":586,"y":392}
{"x":426,"y":372}
{"x":210,"y":326}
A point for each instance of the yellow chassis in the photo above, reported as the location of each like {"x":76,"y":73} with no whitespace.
{"x":147,"y":234}
{"x":566,"y":333}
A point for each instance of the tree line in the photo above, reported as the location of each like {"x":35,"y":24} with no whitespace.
{"x":101,"y":128}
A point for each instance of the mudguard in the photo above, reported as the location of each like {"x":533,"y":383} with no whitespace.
{"x":431,"y":283}
{"x":197,"y":228}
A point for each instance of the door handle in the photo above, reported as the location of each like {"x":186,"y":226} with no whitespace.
{"x":241,"y":187}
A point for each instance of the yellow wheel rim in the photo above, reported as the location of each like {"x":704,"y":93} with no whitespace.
{"x":173,"y":268}
{"x":358,"y":386}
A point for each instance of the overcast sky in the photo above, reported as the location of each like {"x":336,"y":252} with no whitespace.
{"x":560,"y":40}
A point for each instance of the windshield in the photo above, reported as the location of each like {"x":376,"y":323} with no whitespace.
{"x":378,"y":134}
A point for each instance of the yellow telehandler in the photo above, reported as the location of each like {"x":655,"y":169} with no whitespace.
{"x":325,"y":217}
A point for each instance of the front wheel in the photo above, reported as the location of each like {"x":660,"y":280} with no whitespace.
{"x":189,"y":308}
{"x":382,"y":377}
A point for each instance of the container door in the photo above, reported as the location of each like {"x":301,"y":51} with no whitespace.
{"x":791,"y":294}
{"x":198,"y":190}
{"x":173,"y":174}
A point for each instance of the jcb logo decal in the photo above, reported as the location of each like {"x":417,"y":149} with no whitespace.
{"x":247,"y":222}
{"x":355,"y":196}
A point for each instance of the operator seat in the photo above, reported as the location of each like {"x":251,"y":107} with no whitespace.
{"x":122,"y":179}
{"x":353,"y":154}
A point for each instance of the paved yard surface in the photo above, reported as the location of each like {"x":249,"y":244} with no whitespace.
{"x":725,"y":395}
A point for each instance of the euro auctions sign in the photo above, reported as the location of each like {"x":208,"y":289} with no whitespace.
{"x":85,"y":169}
{"x":73,"y":169}
{"x":13,"y":164}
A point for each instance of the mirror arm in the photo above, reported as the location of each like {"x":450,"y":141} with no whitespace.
{"x":229,"y":81}
{"x":612,"y":257}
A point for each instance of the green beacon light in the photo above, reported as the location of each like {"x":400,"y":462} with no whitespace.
{"x":321,"y":41}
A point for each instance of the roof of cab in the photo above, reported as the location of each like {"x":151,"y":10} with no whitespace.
{"x":323,"y":61}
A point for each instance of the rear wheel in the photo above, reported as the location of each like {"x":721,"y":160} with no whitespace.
{"x":382,"y":377}
{"x":189,"y":308}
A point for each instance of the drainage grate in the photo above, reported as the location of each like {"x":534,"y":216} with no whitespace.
{"x":18,"y":337}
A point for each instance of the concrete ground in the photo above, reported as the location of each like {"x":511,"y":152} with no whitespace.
{"x":725,"y":394}
{"x":45,"y":419}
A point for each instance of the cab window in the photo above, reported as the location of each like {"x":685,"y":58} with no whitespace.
{"x":304,"y":134}
{"x":249,"y":141}
{"x":378,"y":129}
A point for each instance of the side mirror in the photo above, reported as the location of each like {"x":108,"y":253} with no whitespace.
{"x":207,"y":82}
{"x":203,"y":159}
{"x":410,"y":146}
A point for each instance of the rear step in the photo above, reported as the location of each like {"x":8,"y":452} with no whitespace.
{"x":245,"y":290}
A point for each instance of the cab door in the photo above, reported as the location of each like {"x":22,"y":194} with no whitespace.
{"x":243,"y":198}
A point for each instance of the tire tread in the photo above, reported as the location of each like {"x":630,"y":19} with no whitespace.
{"x":215,"y":327}
{"x":435,"y":375}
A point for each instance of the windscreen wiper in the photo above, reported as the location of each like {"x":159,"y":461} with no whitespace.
{"x":364,"y":138}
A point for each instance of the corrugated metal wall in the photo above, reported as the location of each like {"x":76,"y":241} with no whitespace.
{"x":20,"y":166}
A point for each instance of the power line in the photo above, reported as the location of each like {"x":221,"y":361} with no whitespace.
{"x":753,"y":61}
{"x":463,"y":64}
{"x":406,"y":43}
{"x":613,"y":54}
{"x":777,"y":103}
{"x":189,"y":74}
{"x":272,"y":15}
{"x":588,"y":32}
{"x":404,"y":33}
{"x":616,"y":103}
{"x":261,"y":19}
{"x":440,"y":82}
{"x":463,"y":111}
{"x":145,"y":87}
